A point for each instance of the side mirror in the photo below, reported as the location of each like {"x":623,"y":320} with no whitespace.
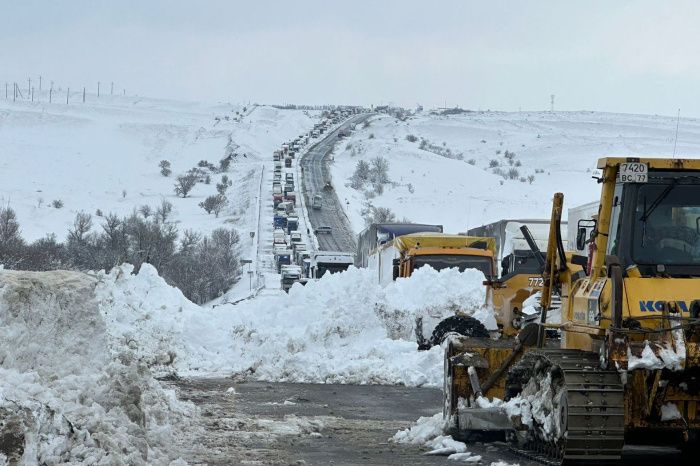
{"x":581,"y":239}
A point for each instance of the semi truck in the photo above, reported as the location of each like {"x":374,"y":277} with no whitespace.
{"x":510,"y":240}
{"x":323,"y":262}
{"x":378,"y":234}
{"x":289,"y":275}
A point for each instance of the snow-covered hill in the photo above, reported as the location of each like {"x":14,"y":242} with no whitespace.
{"x":559,"y":150}
{"x":104,"y":155}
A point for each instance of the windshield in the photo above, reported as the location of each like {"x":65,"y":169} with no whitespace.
{"x":321,"y":269}
{"x":462,"y":262}
{"x":667,"y":225}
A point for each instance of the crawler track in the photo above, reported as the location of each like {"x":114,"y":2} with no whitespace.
{"x":591,"y":413}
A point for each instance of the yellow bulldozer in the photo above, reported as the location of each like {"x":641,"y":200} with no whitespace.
{"x":627,"y":366}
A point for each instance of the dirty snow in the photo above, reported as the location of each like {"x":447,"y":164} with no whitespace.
{"x":425,"y":430}
{"x":429,"y":432}
{"x":668,"y":358}
{"x":65,"y":392}
{"x":669,"y":412}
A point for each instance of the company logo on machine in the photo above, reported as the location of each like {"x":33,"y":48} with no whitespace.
{"x":658,"y":306}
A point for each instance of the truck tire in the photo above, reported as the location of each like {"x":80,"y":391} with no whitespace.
{"x":461,"y":325}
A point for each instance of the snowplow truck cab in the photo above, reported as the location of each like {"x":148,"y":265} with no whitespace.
{"x":627,"y":366}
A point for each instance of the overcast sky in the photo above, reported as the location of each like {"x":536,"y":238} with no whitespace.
{"x":627,"y":56}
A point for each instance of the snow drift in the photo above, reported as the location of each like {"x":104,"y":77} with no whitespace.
{"x":343,"y":328}
{"x":65,"y":393}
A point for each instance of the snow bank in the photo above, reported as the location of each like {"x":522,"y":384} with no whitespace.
{"x":65,"y":394}
{"x":334,"y":330}
{"x":435,"y":295}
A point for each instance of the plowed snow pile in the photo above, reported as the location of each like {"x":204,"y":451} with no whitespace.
{"x":341,"y":329}
{"x":66,"y":394}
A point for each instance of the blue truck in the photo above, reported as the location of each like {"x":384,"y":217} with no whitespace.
{"x":280,"y":221}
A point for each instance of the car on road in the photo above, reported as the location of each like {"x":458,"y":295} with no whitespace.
{"x":317,"y":202}
{"x":323,"y":230}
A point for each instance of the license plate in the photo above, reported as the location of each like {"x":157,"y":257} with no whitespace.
{"x":633,"y":172}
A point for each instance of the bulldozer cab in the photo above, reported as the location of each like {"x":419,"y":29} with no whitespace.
{"x":655,"y":225}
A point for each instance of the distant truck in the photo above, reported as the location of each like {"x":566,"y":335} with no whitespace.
{"x":289,"y":274}
{"x":282,"y":257}
{"x":292,"y":224}
{"x":510,"y":240}
{"x":323,"y":262}
{"x":373,"y":237}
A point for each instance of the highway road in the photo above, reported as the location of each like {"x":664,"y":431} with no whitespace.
{"x":316,"y":172}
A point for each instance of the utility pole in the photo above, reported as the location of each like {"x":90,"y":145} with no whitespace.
{"x":39,"y":83}
{"x":32,"y":94}
{"x":67,"y":95}
{"x":111,"y":88}
{"x":29,"y":86}
{"x":83,"y":94}
{"x":98,"y":88}
{"x":552,"y":103}
{"x":14,"y":92}
{"x":51,"y":93}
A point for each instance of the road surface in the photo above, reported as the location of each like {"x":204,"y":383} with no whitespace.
{"x":316,"y":173}
{"x":312,"y":424}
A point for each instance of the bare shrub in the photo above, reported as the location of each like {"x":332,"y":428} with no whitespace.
{"x":57,"y":204}
{"x":223,"y":185}
{"x":411,"y":138}
{"x":184,"y":184}
{"x":493,"y":163}
{"x":146,"y":210}
{"x":214,"y":204}
{"x":163,"y":211}
{"x":165,"y":168}
{"x":361,"y":175}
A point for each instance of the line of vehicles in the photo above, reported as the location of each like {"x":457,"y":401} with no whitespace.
{"x":295,"y":260}
{"x":621,"y":363}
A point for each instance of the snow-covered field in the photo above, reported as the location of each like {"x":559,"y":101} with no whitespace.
{"x":559,"y":149}
{"x":104,"y":154}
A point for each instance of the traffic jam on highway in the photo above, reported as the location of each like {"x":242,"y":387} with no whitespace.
{"x":297,"y":257}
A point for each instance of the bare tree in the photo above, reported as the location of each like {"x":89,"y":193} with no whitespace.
{"x":185,"y":183}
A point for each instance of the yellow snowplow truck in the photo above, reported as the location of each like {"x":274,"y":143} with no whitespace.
{"x":627,"y":366}
{"x":441,"y":251}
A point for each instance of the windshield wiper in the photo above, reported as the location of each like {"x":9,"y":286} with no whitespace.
{"x":658,"y":200}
